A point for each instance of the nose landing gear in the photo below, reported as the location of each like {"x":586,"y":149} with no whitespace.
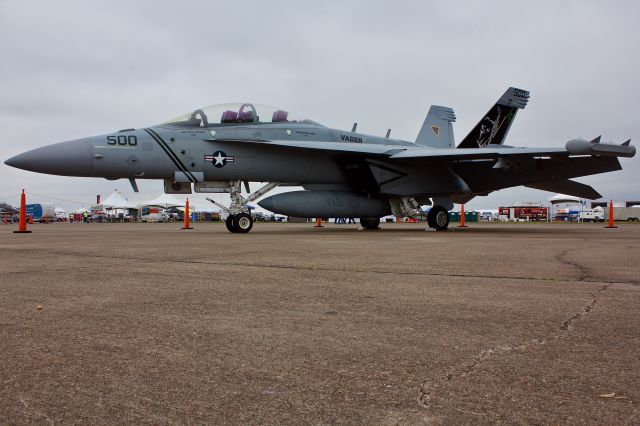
{"x":239,"y":220}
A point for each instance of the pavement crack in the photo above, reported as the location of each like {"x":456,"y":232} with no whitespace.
{"x":567,"y":325}
{"x":428,"y":388}
{"x":583,"y":272}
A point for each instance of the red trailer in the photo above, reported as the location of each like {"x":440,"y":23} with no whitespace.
{"x":528,"y":213}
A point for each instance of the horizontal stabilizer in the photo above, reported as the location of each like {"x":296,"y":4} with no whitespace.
{"x":568,"y":187}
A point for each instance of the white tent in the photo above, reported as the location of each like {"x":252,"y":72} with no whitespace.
{"x":199,"y":206}
{"x":165,"y":201}
{"x":117,"y":201}
{"x":564,"y":199}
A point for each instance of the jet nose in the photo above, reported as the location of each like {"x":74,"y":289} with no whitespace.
{"x":72,"y":158}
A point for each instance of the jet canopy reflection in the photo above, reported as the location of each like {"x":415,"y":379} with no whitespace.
{"x":237,"y":113}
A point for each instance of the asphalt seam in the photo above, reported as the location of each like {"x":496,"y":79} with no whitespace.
{"x":321,"y":269}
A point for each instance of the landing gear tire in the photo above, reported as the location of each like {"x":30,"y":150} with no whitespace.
{"x":370,"y":223}
{"x":229,"y":223}
{"x":438,"y":218}
{"x":242,"y":223}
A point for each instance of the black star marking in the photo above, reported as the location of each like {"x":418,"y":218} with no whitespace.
{"x":183,"y":152}
{"x":193,"y":164}
{"x":172,"y":139}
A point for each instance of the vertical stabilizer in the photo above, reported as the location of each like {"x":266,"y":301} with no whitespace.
{"x":437,"y":131}
{"x":494,"y":126}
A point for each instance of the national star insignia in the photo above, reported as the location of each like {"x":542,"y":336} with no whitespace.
{"x":219,"y":159}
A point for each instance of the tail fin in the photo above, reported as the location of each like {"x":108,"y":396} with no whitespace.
{"x":437,"y":131}
{"x":494,"y":126}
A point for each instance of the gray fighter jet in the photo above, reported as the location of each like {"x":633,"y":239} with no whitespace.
{"x":343,"y":173}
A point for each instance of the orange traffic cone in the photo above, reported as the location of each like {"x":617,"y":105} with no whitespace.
{"x":186,"y":216}
{"x":22,"y":225}
{"x":30,"y":218}
{"x":6,"y":219}
{"x":611,"y":225}
{"x":462,"y":225}
{"x":318,"y":223}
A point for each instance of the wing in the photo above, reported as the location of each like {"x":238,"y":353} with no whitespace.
{"x":416,"y":171}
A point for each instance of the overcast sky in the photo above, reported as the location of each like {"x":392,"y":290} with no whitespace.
{"x":79,"y":68}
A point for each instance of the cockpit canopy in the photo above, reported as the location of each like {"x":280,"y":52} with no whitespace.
{"x":239,"y":113}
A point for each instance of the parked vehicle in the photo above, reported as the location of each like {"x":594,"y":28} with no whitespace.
{"x":155,"y":217}
{"x":592,"y":215}
{"x":41,"y":212}
{"x":630,"y":214}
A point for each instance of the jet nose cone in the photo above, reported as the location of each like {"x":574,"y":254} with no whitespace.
{"x":71,"y":158}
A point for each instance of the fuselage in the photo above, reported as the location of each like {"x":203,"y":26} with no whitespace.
{"x":197,"y":154}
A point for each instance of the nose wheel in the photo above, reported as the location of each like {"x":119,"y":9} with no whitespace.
{"x":242,"y":223}
{"x":229,"y":223}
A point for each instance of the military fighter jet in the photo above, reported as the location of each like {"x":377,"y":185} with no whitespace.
{"x":343,"y":173}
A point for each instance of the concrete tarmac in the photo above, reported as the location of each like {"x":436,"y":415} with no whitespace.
{"x":150,"y":324}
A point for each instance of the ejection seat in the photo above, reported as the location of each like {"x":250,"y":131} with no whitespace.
{"x":280,"y":116}
{"x":229,"y":117}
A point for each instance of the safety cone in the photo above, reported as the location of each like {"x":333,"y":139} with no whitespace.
{"x":611,"y":225}
{"x":318,"y":223}
{"x":46,"y":219}
{"x":6,"y":219}
{"x":462,"y":225}
{"x":186,"y":216}
{"x":22,"y":225}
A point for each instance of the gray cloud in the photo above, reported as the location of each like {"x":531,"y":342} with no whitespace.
{"x":77,"y":68}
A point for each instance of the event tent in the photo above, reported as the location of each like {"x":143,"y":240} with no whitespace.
{"x":564,"y":199}
{"x":165,"y":201}
{"x":117,"y":201}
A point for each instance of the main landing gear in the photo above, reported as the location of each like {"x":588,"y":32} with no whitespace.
{"x":370,"y":223}
{"x":438,"y":218}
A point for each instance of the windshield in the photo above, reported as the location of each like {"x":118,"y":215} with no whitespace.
{"x":237,"y":113}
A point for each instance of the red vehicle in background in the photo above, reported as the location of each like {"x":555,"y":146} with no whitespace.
{"x":526,"y":213}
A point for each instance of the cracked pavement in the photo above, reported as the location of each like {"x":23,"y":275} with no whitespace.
{"x":146,"y":323}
